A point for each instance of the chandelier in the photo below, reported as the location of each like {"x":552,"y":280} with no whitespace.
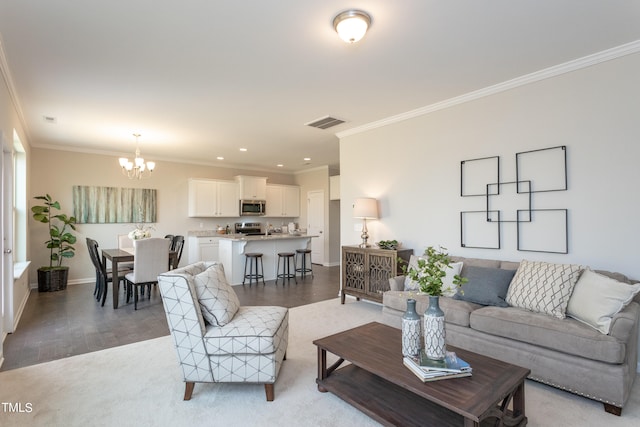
{"x":137,"y":169}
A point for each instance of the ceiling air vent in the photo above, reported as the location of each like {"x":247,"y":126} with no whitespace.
{"x":325,"y":122}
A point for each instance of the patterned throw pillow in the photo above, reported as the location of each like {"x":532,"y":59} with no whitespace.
{"x":218,"y":301}
{"x":543,"y":287}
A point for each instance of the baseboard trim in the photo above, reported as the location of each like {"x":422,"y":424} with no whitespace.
{"x":69,"y":282}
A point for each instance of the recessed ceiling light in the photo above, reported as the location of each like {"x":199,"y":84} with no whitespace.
{"x":220,"y":158}
{"x":243,"y":149}
{"x":280,"y":165}
{"x":306,"y":159}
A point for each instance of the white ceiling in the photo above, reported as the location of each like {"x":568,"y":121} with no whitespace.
{"x":200,"y":79}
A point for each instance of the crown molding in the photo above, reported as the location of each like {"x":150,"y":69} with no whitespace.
{"x":556,"y":70}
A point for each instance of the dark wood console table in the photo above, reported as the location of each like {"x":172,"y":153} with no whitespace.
{"x":366,"y":271}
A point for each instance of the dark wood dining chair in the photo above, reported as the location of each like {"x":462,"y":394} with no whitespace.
{"x":177,"y":245}
{"x":103,"y":274}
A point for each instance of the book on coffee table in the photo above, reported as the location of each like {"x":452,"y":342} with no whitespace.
{"x":432,"y":375}
{"x":451,"y":363}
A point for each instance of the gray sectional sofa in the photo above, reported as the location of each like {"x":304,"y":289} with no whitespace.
{"x":564,"y":353}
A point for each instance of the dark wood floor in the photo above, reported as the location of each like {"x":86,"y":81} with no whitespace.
{"x":60,"y":324}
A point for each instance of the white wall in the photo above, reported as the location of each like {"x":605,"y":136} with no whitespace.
{"x":413,"y":166}
{"x":56,"y":172}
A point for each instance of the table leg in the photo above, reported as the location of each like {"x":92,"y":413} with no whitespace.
{"x":470,"y":423}
{"x":518,"y":402}
{"x":115,"y":285}
{"x":322,"y":367}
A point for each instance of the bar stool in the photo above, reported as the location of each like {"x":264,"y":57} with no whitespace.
{"x":303,"y":269}
{"x":251,"y":258}
{"x":287,"y":258}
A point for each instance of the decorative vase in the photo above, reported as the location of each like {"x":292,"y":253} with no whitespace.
{"x":434,"y":333}
{"x":411,"y":330}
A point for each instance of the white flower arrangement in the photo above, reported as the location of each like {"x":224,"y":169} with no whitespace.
{"x":141,"y":232}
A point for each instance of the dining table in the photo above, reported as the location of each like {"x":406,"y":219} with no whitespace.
{"x":117,"y":256}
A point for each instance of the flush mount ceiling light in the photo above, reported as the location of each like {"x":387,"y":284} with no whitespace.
{"x":137,"y":169}
{"x":351,"y":25}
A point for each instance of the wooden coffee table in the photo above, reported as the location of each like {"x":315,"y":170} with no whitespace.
{"x":377,"y":383}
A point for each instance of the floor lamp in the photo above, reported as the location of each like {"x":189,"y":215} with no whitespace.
{"x":365,"y":208}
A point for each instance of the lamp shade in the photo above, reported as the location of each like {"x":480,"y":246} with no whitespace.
{"x":365,"y":208}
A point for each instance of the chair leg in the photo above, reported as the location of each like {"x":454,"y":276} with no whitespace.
{"x":268,"y":389}
{"x":105,"y":286}
{"x":188,"y":390}
{"x":135,"y":297}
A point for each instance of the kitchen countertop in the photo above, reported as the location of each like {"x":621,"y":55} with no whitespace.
{"x":274,"y":236}
{"x":205,"y":233}
{"x":214,"y":233}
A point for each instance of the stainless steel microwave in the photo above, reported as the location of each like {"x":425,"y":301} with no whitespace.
{"x":252,"y":207}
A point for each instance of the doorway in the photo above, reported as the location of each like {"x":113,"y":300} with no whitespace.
{"x":316,"y":225}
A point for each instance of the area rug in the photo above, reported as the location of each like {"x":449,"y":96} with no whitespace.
{"x":141,"y":385}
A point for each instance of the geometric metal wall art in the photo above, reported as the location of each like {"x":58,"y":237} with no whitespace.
{"x":546,"y":168}
{"x":550,"y":222}
{"x":537,"y":230}
{"x":475,"y":173}
{"x":100,"y":205}
{"x":477,"y":232}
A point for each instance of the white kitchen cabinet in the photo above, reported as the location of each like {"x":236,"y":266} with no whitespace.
{"x":283,"y":201}
{"x":252,"y":187}
{"x":211,"y":198}
{"x":203,"y":249}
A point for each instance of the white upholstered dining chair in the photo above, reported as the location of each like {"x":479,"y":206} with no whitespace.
{"x":151,"y":259}
{"x":217,"y":340}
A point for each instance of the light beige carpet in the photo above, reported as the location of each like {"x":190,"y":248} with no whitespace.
{"x":141,"y":385}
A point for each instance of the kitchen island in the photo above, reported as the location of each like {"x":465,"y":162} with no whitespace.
{"x":234,"y":246}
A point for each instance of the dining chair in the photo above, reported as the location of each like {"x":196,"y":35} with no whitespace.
{"x":177,"y":245}
{"x":103,"y":274}
{"x":126,"y":244}
{"x":151,"y":259}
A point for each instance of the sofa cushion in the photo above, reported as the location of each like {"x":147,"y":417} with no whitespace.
{"x":543,"y":287}
{"x":475,"y":262}
{"x":218,"y":301}
{"x":455,"y":312}
{"x":597,"y":298}
{"x":566,"y":335}
{"x":486,"y":286}
{"x":448,"y":288}
{"x":253,"y":330}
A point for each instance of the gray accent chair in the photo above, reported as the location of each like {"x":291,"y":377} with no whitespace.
{"x":248,"y":349}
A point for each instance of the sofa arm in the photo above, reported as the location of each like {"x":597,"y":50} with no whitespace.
{"x":623,"y":323}
{"x":396,"y":283}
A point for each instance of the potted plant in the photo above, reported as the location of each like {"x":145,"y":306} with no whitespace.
{"x":429,"y":274}
{"x":54,"y":277}
{"x":431,"y":270}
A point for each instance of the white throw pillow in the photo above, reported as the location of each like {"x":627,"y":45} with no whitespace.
{"x":218,"y":301}
{"x":597,"y":298}
{"x":543,"y":287}
{"x":448,"y":288}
